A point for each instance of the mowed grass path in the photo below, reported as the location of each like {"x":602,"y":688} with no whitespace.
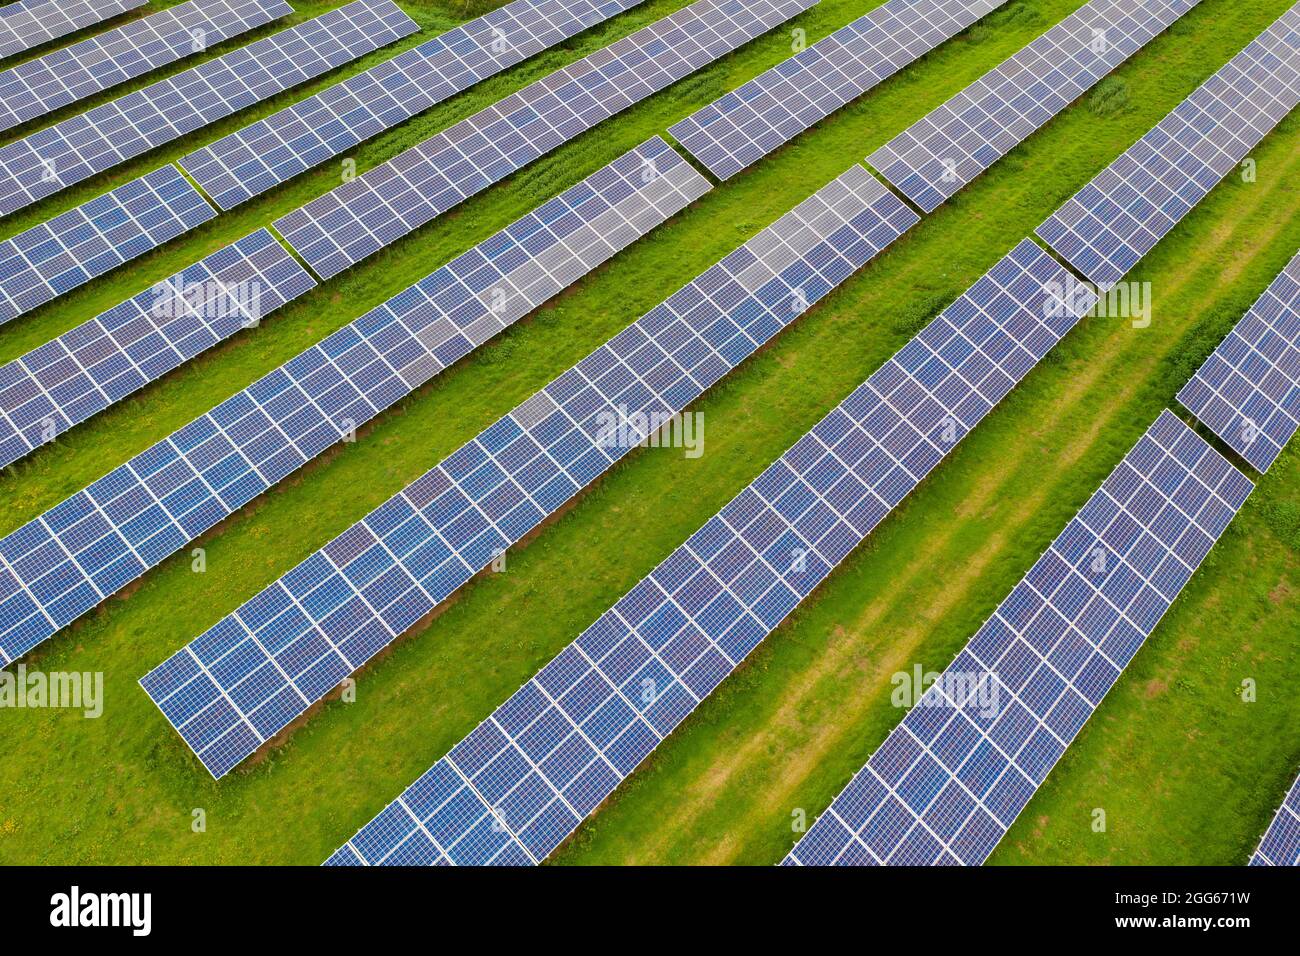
{"x":1185,"y":771}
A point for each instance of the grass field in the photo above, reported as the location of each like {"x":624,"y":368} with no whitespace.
{"x":1186,"y":771}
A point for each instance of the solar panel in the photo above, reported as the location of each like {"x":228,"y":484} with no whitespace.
{"x":174,"y":491}
{"x":936,"y":156}
{"x":52,"y":81}
{"x":1130,"y":205}
{"x":50,"y":160}
{"x":1248,"y":390}
{"x":71,"y":249}
{"x":249,"y":676}
{"x":950,"y":779}
{"x":746,"y":124}
{"x":64,"y":382}
{"x":526,"y":777}
{"x":259,"y":156}
{"x":1281,"y":844}
{"x":26,"y":25}
{"x":360,"y":217}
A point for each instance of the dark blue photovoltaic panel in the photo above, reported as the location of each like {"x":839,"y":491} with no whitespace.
{"x":252,"y":160}
{"x":1281,"y":844}
{"x":950,"y":779}
{"x":244,"y":680}
{"x":936,"y":156}
{"x":360,"y":217}
{"x":71,"y":249}
{"x":83,"y":371}
{"x":87,"y":548}
{"x":1135,"y":201}
{"x":1248,"y":390}
{"x":27,"y":25}
{"x":52,"y":81}
{"x":748,"y":123}
{"x":45,"y":162}
{"x":558,"y":747}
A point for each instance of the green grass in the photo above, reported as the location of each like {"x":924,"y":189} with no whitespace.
{"x":1185,"y":771}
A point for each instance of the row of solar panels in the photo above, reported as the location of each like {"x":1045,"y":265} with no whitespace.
{"x":27,"y":25}
{"x":957,"y":775}
{"x":1281,"y":843}
{"x":52,"y":159}
{"x":56,"y":79}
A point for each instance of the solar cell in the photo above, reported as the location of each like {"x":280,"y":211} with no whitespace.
{"x":525,"y":778}
{"x":100,"y":362}
{"x":1248,"y":390}
{"x":746,"y":124}
{"x":1135,"y":201}
{"x":52,"y":159}
{"x":950,"y":779}
{"x":52,"y":81}
{"x":259,"y":156}
{"x":1281,"y":843}
{"x":71,"y":249}
{"x":95,"y":542}
{"x":244,"y":680}
{"x":936,"y":156}
{"x":26,"y":25}
{"x":360,"y":217}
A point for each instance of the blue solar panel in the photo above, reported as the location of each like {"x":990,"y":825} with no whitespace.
{"x":255,"y":671}
{"x":1281,"y":843}
{"x":936,"y":156}
{"x":1248,"y":390}
{"x":746,"y":124}
{"x":1135,"y":201}
{"x":271,"y":151}
{"x":95,"y":542}
{"x":71,"y":249}
{"x":360,"y":217}
{"x":558,"y":747}
{"x":100,"y":362}
{"x":950,"y":779}
{"x":27,"y":25}
{"x":52,"y":81}
{"x":45,"y":162}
